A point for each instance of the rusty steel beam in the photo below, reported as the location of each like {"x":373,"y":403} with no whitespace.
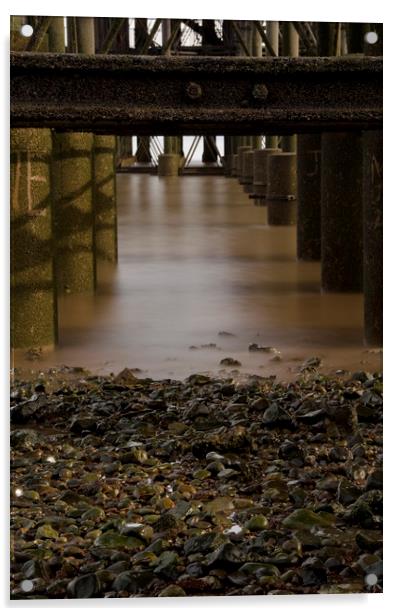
{"x":120,"y":94}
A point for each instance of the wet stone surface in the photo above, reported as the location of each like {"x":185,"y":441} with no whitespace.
{"x":128,"y":487}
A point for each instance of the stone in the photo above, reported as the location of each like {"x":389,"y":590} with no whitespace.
{"x":172,"y":590}
{"x":226,"y":556}
{"x":230,"y":361}
{"x":275,"y":417}
{"x":347,"y":492}
{"x":203,"y":543}
{"x":112,"y":539}
{"x":290,"y":451}
{"x":374,"y":480}
{"x":83,"y":587}
{"x":256,"y":523}
{"x":166,"y":564}
{"x":306,"y":519}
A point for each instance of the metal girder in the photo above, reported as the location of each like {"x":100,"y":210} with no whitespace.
{"x":121,"y":94}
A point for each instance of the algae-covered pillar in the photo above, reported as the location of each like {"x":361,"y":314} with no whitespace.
{"x":372,"y":237}
{"x":74,"y":212}
{"x":86,"y":35}
{"x":240,"y":161}
{"x":248,"y":171}
{"x":259,"y":186}
{"x":341,"y":212}
{"x":56,"y":35}
{"x":33,"y":296}
{"x":104,"y":196}
{"x":281,"y":188}
{"x":309,"y":197}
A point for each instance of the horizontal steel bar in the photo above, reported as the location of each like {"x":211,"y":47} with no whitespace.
{"x":143,"y":95}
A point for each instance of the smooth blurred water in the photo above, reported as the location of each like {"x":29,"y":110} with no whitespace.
{"x":196,"y":257}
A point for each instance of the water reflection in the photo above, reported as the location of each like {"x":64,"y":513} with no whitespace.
{"x":196,"y":257}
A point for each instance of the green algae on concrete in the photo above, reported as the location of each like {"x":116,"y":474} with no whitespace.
{"x":309,"y":197}
{"x":168,"y":164}
{"x":33,"y":298}
{"x":105,"y":213}
{"x":341,"y":212}
{"x":281,"y":188}
{"x":372,"y":237}
{"x":73,"y":212}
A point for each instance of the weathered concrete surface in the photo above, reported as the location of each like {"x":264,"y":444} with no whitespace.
{"x":260,"y":174}
{"x":146,"y":95}
{"x":281,"y":188}
{"x":372,"y":237}
{"x":309,"y":197}
{"x":341,"y":212}
{"x":234,"y":164}
{"x":73,"y":212}
{"x":240,"y":161}
{"x":248,"y":170}
{"x":168,"y":164}
{"x":33,"y":297}
{"x":104,"y":197}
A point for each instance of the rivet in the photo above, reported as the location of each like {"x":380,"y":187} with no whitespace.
{"x":193,"y":90}
{"x":260,"y":92}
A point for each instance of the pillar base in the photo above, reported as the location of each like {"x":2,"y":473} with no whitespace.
{"x":168,"y":164}
{"x":281,"y":213}
{"x":281,"y":189}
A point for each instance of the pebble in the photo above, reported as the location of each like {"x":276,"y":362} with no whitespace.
{"x":125,"y":487}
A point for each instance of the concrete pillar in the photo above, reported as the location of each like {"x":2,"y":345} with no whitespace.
{"x":56,"y":35}
{"x":281,"y":188}
{"x":105,"y":213}
{"x":372,"y":237}
{"x":234,"y":164}
{"x":227,"y":158}
{"x":341,"y":212}
{"x":17,"y":41}
{"x":259,"y":184}
{"x":86,"y":35}
{"x":325,"y":36}
{"x":273,"y":31}
{"x":247,"y":170}
{"x":124,"y":152}
{"x":33,"y":297}
{"x":73,"y":212}
{"x":309,"y":197}
{"x":170,"y":145}
{"x":168,"y":164}
{"x":355,"y":37}
{"x":240,"y":160}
